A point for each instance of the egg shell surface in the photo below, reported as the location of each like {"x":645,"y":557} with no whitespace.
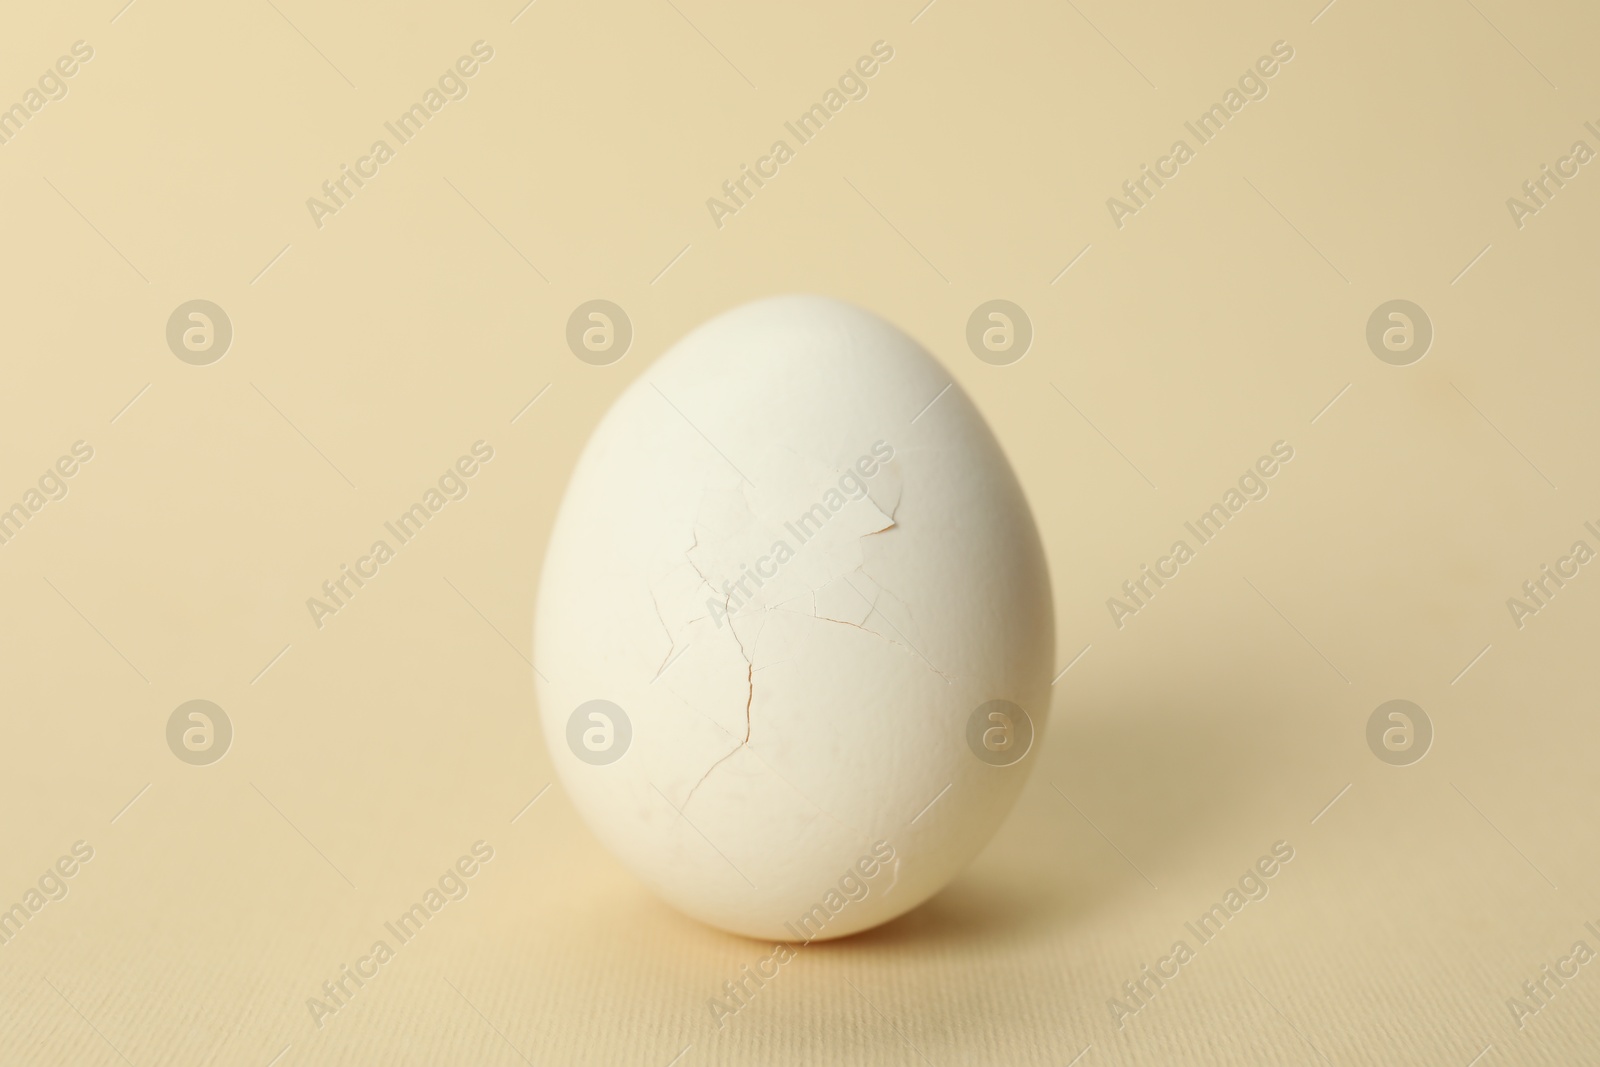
{"x":798,"y":573}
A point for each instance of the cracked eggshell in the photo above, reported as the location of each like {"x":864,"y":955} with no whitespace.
{"x":796,"y":591}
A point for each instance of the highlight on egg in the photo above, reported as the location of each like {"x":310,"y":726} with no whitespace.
{"x":794,"y":625}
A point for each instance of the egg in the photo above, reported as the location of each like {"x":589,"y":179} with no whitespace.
{"x":794,"y":633}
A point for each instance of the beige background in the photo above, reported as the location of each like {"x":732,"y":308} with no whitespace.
{"x":368,"y":354}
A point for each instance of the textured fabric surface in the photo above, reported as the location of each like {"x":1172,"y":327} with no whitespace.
{"x":1180,"y":329}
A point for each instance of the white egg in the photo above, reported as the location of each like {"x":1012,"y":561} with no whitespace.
{"x":794,"y":625}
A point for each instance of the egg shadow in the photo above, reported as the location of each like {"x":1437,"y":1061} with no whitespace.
{"x":1153,"y":772}
{"x":973,"y":908}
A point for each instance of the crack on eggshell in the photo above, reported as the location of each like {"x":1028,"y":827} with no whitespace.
{"x":835,"y":558}
{"x":889,"y":640}
{"x":867,"y":630}
{"x":892,"y":514}
{"x":688,"y":558}
{"x":731,"y":753}
{"x":750,"y":682}
{"x":888,"y":521}
{"x":872,"y":608}
{"x":881,"y":591}
{"x":749,"y":702}
{"x":655,"y":600}
{"x":858,"y":623}
{"x":896,"y":481}
{"x":861,"y":569}
{"x":672,"y":642}
{"x":818,"y":808}
{"x":749,"y":678}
